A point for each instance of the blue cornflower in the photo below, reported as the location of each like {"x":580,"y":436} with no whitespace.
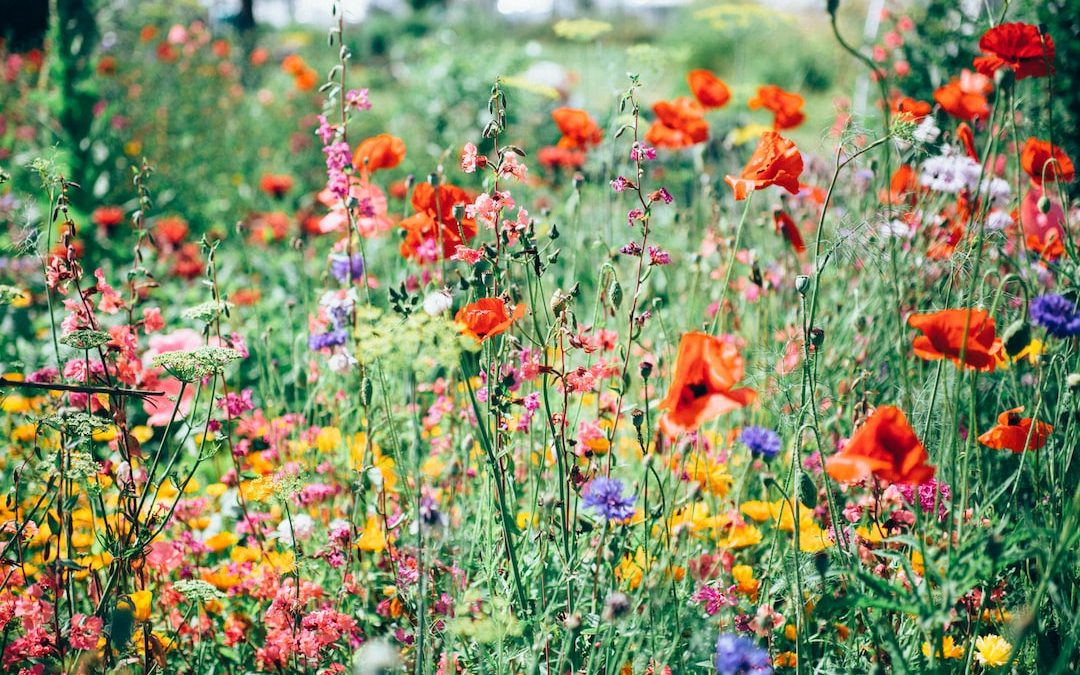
{"x":334,"y":338}
{"x":604,"y":496}
{"x":761,"y":441}
{"x":737,"y":655}
{"x":1057,"y":314}
{"x":340,"y":267}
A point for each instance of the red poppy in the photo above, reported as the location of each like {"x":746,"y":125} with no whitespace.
{"x":785,"y":106}
{"x":967,"y":138}
{"x":171,"y":229}
{"x":903,"y":186}
{"x":786,"y":226}
{"x":964,"y":97}
{"x":578,"y":128}
{"x":885,"y":447}
{"x":275,"y":185}
{"x":1043,"y":161}
{"x":555,"y":157}
{"x":708,"y":89}
{"x":188,"y":263}
{"x":1018,"y":47}
{"x":486,"y":318}
{"x":943,"y":337}
{"x":680,"y":124}
{"x":1012,"y":432}
{"x":421,"y":228}
{"x":379,"y":152}
{"x":905,"y":105}
{"x":776,"y":161}
{"x":107,"y":216}
{"x":706,"y":371}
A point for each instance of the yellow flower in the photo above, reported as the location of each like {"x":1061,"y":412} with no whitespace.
{"x":372,"y":539}
{"x":140,"y":601}
{"x":328,"y":439}
{"x":949,"y":649}
{"x":813,"y":538}
{"x":698,"y":468}
{"x":744,"y":579}
{"x":630,"y":570}
{"x":739,"y":536}
{"x":221,"y":541}
{"x":992,"y":650}
{"x":785,"y":660}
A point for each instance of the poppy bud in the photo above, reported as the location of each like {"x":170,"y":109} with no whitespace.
{"x":615,"y":294}
{"x":817,"y":336}
{"x":802,"y":284}
{"x":1044,"y":204}
{"x":1016,"y":337}
{"x":365,"y":391}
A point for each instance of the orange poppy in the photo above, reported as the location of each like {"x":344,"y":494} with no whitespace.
{"x":967,"y":138}
{"x":708,"y":89}
{"x":293,"y":64}
{"x":943,"y":337}
{"x":706,"y":371}
{"x":785,"y":106}
{"x":379,"y":152}
{"x":578,"y":128}
{"x":885,"y":447}
{"x":964,"y":97}
{"x":786,"y":226}
{"x":680,"y":123}
{"x":486,"y":318}
{"x":903,"y":186}
{"x":776,"y":161}
{"x":914,"y":108}
{"x":1012,"y":431}
{"x":422,"y":228}
{"x":1043,"y":161}
{"x":1018,"y":47}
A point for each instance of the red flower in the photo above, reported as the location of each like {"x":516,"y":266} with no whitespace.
{"x":964,"y":97}
{"x":776,"y":161}
{"x":578,"y":128}
{"x":379,"y":152}
{"x":1012,"y":432}
{"x":555,"y":157}
{"x":785,"y":106}
{"x":708,"y":89}
{"x":905,"y":105}
{"x":276,"y":185}
{"x":107,"y":216}
{"x":434,"y":218}
{"x":1043,"y":161}
{"x":885,"y":447}
{"x":680,"y":123}
{"x":943,"y":337}
{"x":785,"y":225}
{"x":486,"y":318}
{"x":702,"y":387}
{"x":1018,"y":47}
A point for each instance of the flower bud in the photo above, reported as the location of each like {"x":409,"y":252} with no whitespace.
{"x":817,"y":336}
{"x":802,"y":284}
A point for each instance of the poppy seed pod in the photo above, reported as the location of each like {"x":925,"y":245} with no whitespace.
{"x":802,"y":284}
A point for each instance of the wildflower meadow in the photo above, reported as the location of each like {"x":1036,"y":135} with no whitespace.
{"x":456,"y":336}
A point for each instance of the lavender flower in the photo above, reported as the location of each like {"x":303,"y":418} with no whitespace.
{"x":737,"y":655}
{"x":761,"y":441}
{"x":1057,"y":314}
{"x":604,"y":496}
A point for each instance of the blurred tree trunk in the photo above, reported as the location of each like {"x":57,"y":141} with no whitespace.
{"x":73,"y":37}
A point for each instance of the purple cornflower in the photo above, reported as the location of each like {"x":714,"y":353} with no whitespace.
{"x":334,"y":338}
{"x":620,"y":184}
{"x":737,"y":655}
{"x":761,"y":441}
{"x":340,"y":267}
{"x":1057,"y":314}
{"x":604,"y":496}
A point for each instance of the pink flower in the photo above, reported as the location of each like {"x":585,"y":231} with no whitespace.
{"x":111,"y":302}
{"x":467,"y":255}
{"x":470,"y":160}
{"x":85,"y":631}
{"x":152,"y":321}
{"x":511,"y":167}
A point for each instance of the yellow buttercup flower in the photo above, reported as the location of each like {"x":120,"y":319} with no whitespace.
{"x":140,"y":601}
{"x":992,"y":650}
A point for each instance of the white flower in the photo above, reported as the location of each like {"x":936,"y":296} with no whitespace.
{"x":438,"y":302}
{"x":950,"y":173}
{"x":997,"y":189}
{"x":376,"y":657}
{"x":927,"y":131}
{"x":341,"y":361}
{"x":302,"y":526}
